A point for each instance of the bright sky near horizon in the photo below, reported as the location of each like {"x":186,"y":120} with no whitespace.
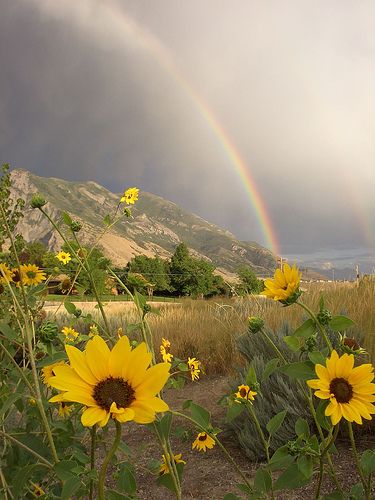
{"x":164,"y":95}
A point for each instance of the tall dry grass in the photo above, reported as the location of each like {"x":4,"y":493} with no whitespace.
{"x":207,"y":329}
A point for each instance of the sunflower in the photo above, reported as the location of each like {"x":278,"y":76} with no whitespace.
{"x":165,"y":343}
{"x":203,"y":441}
{"x":194,"y":365}
{"x":31,"y":274}
{"x":244,"y":392}
{"x":64,"y":409}
{"x":284,"y":284}
{"x":63,"y":257}
{"x":37,"y":490}
{"x":113,"y":383}
{"x":6,"y":274}
{"x":350,"y":390}
{"x":70,"y":334}
{"x":164,"y":468}
{"x":130,"y":196}
{"x":167,"y":356}
{"x":48,"y":372}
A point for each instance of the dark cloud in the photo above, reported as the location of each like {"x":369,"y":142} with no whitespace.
{"x":88,"y":92}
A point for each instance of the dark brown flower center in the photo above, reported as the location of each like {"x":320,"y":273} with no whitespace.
{"x":113,"y":390}
{"x":243,"y":392}
{"x":203,"y":437}
{"x":16,"y":276}
{"x":341,"y":389}
{"x":351,"y":343}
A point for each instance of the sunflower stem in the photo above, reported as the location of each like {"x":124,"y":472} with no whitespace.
{"x":357,"y":461}
{"x":321,"y":460}
{"x":92,"y":459}
{"x":274,"y":346}
{"x":315,"y":319}
{"x":169,"y":460}
{"x":107,"y":459}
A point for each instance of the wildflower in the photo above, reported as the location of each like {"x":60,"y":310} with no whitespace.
{"x":194,"y":365}
{"x":32,"y":401}
{"x":255,"y":324}
{"x":16,"y":278}
{"x":65,"y":285}
{"x":37,"y":201}
{"x":6,"y":274}
{"x":75,"y":226}
{"x":63,"y":257}
{"x":93,"y":330}
{"x":164,"y":351}
{"x":164,"y":468}
{"x":48,"y":372}
{"x":31,"y":274}
{"x":113,"y":383}
{"x":350,"y":345}
{"x":284,"y":285}
{"x":350,"y":390}
{"x":203,"y":441}
{"x":244,"y":392}
{"x":37,"y":490}
{"x":64,"y":409}
{"x":130,"y":196}
{"x":70,"y":334}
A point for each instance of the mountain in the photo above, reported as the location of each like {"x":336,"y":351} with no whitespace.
{"x":156,"y":228}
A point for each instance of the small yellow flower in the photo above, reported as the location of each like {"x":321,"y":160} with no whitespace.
{"x":6,"y":274}
{"x":164,"y":468}
{"x":32,"y":401}
{"x":244,"y":392}
{"x":350,"y":390}
{"x":203,"y":441}
{"x":64,"y":409}
{"x":130,"y":196}
{"x":165,"y":343}
{"x":194,"y":365}
{"x":164,"y":351}
{"x":37,"y":490}
{"x":284,"y":284}
{"x":120,"y":332}
{"x":70,"y":334}
{"x":63,"y":257}
{"x":31,"y":274}
{"x":48,"y":373}
{"x":93,"y":331}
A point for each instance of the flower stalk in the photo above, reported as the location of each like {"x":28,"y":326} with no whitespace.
{"x":107,"y":459}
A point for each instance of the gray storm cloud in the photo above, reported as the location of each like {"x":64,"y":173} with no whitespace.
{"x":85,"y":94}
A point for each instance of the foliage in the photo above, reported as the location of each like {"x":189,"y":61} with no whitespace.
{"x":153,"y":269}
{"x":12,"y":209}
{"x":249,"y":283}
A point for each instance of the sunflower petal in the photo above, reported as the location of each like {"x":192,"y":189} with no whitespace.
{"x":92,"y":416}
{"x":97,"y":355}
{"x":119,"y":357}
{"x":78,"y":362}
{"x":154,"y":379}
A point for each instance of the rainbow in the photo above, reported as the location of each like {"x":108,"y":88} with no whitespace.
{"x":121,"y":21}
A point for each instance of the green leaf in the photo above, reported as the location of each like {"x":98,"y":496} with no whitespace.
{"x":317,"y":358}
{"x":303,"y":370}
{"x":339,"y":323}
{"x":8,"y":331}
{"x":307,"y":329}
{"x":281,"y":458}
{"x":20,"y":478}
{"x":324,"y":421}
{"x":66,"y":218}
{"x":244,"y":487}
{"x":107,"y":220}
{"x":200,"y":415}
{"x":234,"y":411}
{"x":251,"y":377}
{"x":71,"y":486}
{"x":336,"y":495}
{"x":293,"y":343}
{"x":49,"y":360}
{"x":140,"y":300}
{"x":126,"y":479}
{"x":70,"y":307}
{"x":64,"y":468}
{"x":305,"y":465}
{"x":116,"y":495}
{"x":231,"y":496}
{"x":275,"y":422}
{"x":356,"y":492}
{"x":164,"y":425}
{"x":270,"y":367}
{"x":290,"y":479}
{"x":9,"y":402}
{"x":368,"y":461}
{"x":263,"y":480}
{"x":302,"y":427}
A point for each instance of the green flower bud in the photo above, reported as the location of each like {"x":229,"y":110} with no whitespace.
{"x":255,"y":324}
{"x":37,"y":201}
{"x":47,"y":331}
{"x":77,"y":313}
{"x":324,"y":316}
{"x":127,"y":212}
{"x":75,"y":226}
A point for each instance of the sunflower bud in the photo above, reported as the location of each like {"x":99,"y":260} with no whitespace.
{"x":75,"y":226}
{"x":351,"y":346}
{"x":324,"y":316}
{"x":47,"y":331}
{"x":77,"y":312}
{"x":255,"y":324}
{"x":127,"y":212}
{"x":37,"y":201}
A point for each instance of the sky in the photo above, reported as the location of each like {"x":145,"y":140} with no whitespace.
{"x":167,"y":95}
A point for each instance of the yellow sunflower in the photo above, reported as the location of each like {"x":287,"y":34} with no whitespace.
{"x":165,"y":343}
{"x":63,"y":257}
{"x":284,"y":284}
{"x":37,"y":490}
{"x":350,"y":390}
{"x":64,"y":409}
{"x":164,"y":469}
{"x":48,"y":372}
{"x":203,"y":441}
{"x":244,"y":392}
{"x":31,"y":274}
{"x":70,"y":334}
{"x":167,"y":356}
{"x":113,"y":383}
{"x":6,"y":274}
{"x":194,"y":365}
{"x":130,"y":196}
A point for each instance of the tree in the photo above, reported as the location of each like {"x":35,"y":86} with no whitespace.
{"x":153,"y":269}
{"x":249,"y":283}
{"x":33,"y":253}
